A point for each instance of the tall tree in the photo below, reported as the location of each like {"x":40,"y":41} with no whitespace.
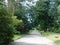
{"x":45,"y":16}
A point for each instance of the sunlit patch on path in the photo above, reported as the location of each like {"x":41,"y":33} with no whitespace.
{"x":34,"y":38}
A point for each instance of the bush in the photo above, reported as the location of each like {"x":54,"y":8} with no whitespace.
{"x":6,"y":27}
{"x":22,"y":28}
{"x":19,"y":25}
{"x":16,"y":22}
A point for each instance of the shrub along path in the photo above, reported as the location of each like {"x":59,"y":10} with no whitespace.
{"x":34,"y":38}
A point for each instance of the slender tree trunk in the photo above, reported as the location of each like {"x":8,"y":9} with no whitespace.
{"x":13,"y":10}
{"x":11,"y":6}
{"x":8,"y":5}
{"x":45,"y":29}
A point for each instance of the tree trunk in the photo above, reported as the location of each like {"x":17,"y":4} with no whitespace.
{"x":13,"y":10}
{"x":11,"y":6}
{"x":45,"y":30}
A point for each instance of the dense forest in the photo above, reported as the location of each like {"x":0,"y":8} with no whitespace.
{"x":21,"y":16}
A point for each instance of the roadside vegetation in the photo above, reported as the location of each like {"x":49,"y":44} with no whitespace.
{"x":17,"y":19}
{"x":52,"y":36}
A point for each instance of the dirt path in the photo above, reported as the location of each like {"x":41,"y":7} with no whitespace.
{"x":34,"y":38}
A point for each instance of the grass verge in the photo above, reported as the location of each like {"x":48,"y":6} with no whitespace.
{"x":16,"y":36}
{"x":52,"y":36}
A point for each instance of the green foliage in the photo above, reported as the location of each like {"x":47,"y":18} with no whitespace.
{"x":41,"y":10}
{"x":20,"y":12}
{"x":16,"y":21}
{"x":57,"y":42}
{"x":46,"y":20}
{"x":22,"y":28}
{"x":6,"y":27}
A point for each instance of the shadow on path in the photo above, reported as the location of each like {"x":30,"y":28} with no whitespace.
{"x":23,"y":43}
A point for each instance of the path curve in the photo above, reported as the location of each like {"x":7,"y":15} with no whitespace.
{"x":34,"y":38}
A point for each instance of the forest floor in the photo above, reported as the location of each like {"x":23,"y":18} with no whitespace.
{"x":34,"y":38}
